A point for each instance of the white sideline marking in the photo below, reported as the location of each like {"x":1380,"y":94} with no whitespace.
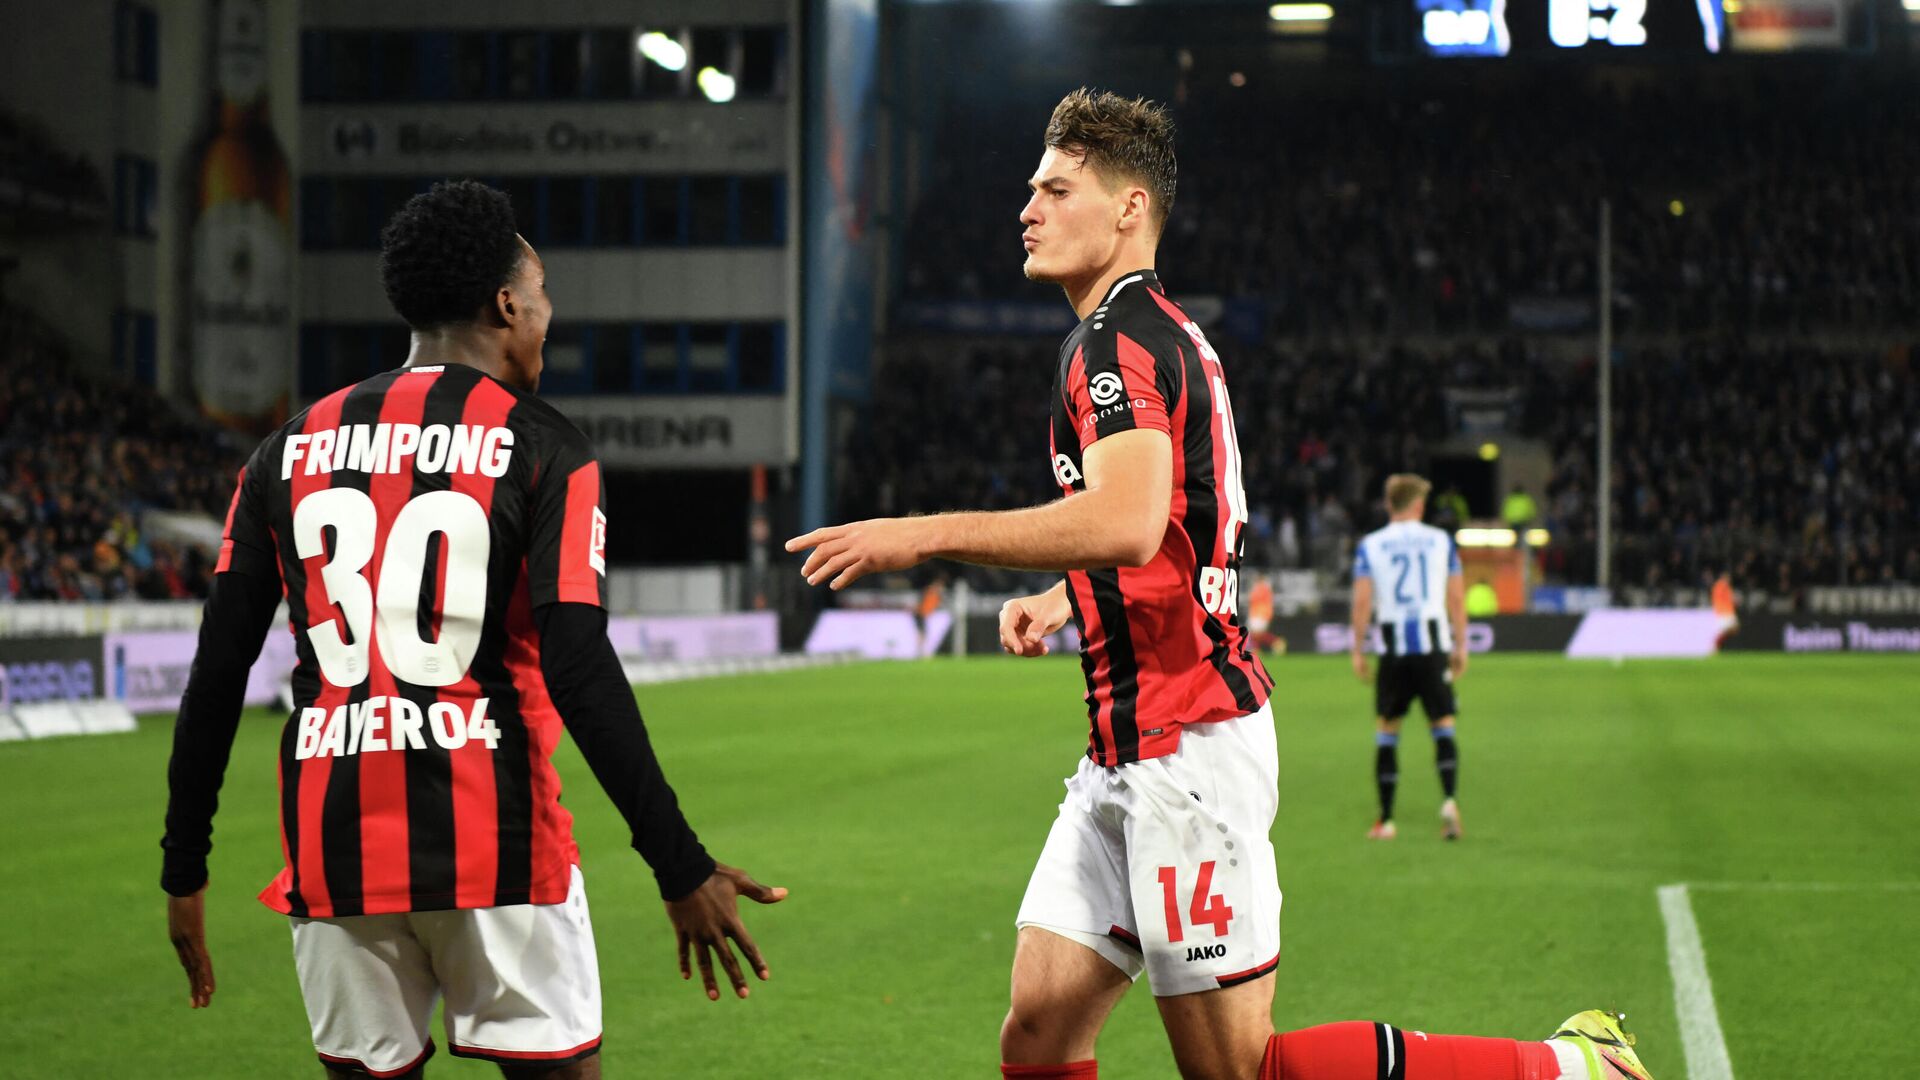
{"x":1803,"y":886}
{"x":1700,"y":1036}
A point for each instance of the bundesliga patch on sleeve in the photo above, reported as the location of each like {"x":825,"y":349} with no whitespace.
{"x":597,"y":543}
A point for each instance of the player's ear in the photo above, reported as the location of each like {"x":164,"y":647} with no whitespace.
{"x":505,"y":307}
{"x":1133,"y":214}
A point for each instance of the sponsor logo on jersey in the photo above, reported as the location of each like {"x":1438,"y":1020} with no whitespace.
{"x":1064,"y":470}
{"x":383,"y":723}
{"x":597,"y":543}
{"x":390,"y":448}
{"x":1106,"y":388}
{"x":1098,"y":415}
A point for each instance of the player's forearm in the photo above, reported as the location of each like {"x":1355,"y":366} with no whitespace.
{"x":1457,"y":612}
{"x":596,"y":703}
{"x":1090,"y":530}
{"x":1359,"y":617}
{"x":238,"y":613}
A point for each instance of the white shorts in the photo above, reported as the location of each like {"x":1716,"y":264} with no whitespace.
{"x":1165,"y":866}
{"x":522,"y":984}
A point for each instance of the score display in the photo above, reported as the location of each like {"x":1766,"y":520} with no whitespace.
{"x":1539,"y":28}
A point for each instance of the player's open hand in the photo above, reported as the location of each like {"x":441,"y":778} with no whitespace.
{"x":843,"y":554}
{"x":708,"y":918}
{"x":1457,"y":662}
{"x":1025,"y":622}
{"x":187,"y":926}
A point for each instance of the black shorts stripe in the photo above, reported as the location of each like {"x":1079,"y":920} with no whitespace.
{"x":1399,"y":1070}
{"x":1248,"y":976}
{"x":1123,"y":665}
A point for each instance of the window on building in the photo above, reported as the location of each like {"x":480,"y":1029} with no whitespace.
{"x":610,"y":59}
{"x":660,"y":357}
{"x":613,"y":211}
{"x":470,"y":54}
{"x":761,"y":367}
{"x":762,"y":209}
{"x":613,"y":358}
{"x":566,"y":63}
{"x":397,"y":64}
{"x":136,"y":196}
{"x":762,"y":62}
{"x":663,"y":213}
{"x":708,"y":199}
{"x":567,"y":211}
{"x":709,"y":359}
{"x":349,"y":60}
{"x":136,"y":44}
{"x":521,"y":59}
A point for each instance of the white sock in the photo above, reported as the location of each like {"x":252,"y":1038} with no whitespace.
{"x":1573,"y":1063}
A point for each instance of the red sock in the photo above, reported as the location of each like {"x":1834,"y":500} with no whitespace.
{"x":1072,"y":1070}
{"x":1357,"y":1050}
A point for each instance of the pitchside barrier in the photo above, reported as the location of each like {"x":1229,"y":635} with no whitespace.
{"x":91,"y":682}
{"x":81,"y":682}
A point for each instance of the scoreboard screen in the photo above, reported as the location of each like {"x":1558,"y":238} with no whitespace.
{"x":1548,"y":27}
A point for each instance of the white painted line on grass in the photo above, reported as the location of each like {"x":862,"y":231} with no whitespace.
{"x":1700,"y":1036}
{"x":1803,"y":886}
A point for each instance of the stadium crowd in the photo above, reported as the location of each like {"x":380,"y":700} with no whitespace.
{"x":1454,"y":206}
{"x":1786,"y":466}
{"x":81,"y":459}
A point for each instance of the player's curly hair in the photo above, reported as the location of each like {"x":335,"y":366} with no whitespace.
{"x":1121,"y":137}
{"x":445,"y":253}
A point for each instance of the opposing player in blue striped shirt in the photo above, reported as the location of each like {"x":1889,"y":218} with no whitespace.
{"x":1407,"y":584}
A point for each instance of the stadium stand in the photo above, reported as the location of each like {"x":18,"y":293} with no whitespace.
{"x":81,"y":460}
{"x":1769,"y":204}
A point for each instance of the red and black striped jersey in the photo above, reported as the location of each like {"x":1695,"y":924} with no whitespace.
{"x":1162,"y":644}
{"x":416,"y":521}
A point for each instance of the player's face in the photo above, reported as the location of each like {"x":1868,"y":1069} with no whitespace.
{"x":533,"y":310}
{"x":1071,"y":220}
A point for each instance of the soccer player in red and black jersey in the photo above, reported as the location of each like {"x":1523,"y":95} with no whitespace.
{"x":439,"y":535}
{"x":1159,"y":861}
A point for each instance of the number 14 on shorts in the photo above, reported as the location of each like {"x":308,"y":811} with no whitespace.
{"x":1203,"y":910}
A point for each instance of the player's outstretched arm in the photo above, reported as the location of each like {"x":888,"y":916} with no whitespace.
{"x":1118,"y":520}
{"x":1025,"y":621}
{"x":596,"y":703}
{"x":238,"y":613}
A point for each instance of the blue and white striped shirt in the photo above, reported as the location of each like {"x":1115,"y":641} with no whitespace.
{"x":1409,"y":563}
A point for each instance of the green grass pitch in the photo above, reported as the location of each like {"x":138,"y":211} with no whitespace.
{"x":904,"y":804}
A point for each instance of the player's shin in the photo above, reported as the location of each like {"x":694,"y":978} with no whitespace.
{"x":1359,"y":1050}
{"x":1386,"y":770}
{"x":1446,"y":757}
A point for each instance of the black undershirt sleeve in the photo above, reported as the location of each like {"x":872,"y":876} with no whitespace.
{"x":238,"y":613}
{"x":596,"y":703}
